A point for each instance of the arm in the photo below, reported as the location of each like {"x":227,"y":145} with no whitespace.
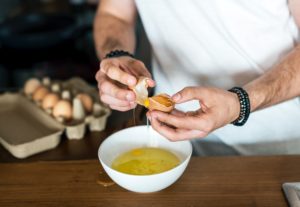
{"x":114,"y":29}
{"x":282,"y":82}
{"x":220,"y":107}
{"x":114,"y":26}
{"x":277,"y":85}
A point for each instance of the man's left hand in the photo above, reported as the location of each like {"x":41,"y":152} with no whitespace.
{"x":218,"y":108}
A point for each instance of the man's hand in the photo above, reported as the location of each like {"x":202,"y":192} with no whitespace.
{"x":114,"y":29}
{"x":114,"y":77}
{"x":218,"y":108}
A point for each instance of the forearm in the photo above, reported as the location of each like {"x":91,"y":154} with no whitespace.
{"x":279,"y":84}
{"x":111,"y":33}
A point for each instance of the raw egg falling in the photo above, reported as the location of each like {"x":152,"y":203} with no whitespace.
{"x":148,"y":160}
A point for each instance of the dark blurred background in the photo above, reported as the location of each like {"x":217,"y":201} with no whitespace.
{"x":51,"y":38}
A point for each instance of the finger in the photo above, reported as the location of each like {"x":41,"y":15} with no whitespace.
{"x":100,"y":77}
{"x":138,"y":68}
{"x":113,"y":101}
{"x":187,"y":94}
{"x":109,"y":88}
{"x":97,"y":76}
{"x":190,"y":134}
{"x":175,"y":134}
{"x":201,"y":123}
{"x":115,"y":73}
{"x":120,"y":108}
{"x":176,"y":112}
{"x":173,"y":120}
{"x":192,"y":113}
{"x":151,"y":83}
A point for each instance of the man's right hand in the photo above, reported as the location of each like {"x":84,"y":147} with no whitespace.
{"x":115,"y":76}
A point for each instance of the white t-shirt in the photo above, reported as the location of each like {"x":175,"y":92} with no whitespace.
{"x":226,"y":43}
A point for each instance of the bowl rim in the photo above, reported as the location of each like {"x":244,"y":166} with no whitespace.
{"x":151,"y":175}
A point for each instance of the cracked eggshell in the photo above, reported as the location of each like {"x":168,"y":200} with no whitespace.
{"x":160,"y":102}
{"x":140,"y":90}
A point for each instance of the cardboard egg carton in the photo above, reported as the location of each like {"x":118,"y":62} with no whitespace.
{"x":26,"y":128}
{"x":25,"y":131}
{"x":76,"y":127}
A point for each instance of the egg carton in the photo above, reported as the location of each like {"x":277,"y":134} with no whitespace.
{"x":95,"y":119}
{"x":25,"y":131}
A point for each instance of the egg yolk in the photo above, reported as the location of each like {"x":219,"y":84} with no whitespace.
{"x":146,"y":103}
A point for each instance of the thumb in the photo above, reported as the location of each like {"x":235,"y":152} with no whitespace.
{"x":187,"y":94}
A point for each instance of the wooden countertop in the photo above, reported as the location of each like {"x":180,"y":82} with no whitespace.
{"x":208,"y":181}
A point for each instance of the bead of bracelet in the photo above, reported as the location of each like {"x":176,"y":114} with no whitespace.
{"x":244,"y":106}
{"x":118,"y":53}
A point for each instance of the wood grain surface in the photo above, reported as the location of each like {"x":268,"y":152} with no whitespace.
{"x":210,"y":181}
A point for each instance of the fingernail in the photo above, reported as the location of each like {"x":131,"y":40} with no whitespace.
{"x":151,"y":83}
{"x":129,"y":97}
{"x":176,"y":97}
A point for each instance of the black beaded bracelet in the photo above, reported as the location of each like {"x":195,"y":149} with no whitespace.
{"x":244,"y":106}
{"x":118,"y":53}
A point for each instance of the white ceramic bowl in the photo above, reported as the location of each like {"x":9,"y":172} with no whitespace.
{"x":136,"y":137}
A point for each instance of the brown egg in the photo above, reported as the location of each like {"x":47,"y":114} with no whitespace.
{"x":160,"y":102}
{"x":40,"y":93}
{"x":140,"y":90}
{"x":62,"y":111}
{"x":87,"y":102}
{"x":50,"y":100}
{"x":31,"y":85}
